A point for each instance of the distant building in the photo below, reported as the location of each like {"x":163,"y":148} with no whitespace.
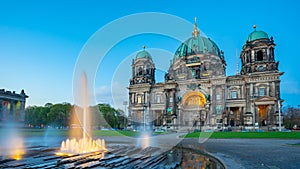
{"x":196,"y":91}
{"x":12,"y":106}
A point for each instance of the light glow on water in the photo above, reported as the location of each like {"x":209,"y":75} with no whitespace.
{"x":11,"y":143}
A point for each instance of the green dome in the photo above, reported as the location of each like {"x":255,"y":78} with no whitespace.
{"x":197,"y":45}
{"x":143,"y":54}
{"x":257,"y":35}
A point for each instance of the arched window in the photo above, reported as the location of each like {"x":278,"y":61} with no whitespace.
{"x":259,"y":56}
{"x":148,"y":69}
{"x":140,"y":71}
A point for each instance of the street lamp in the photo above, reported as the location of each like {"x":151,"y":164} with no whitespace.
{"x":279,"y":114}
{"x":223,"y":120}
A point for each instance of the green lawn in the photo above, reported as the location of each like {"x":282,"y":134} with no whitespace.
{"x":98,"y":133}
{"x":281,"y":135}
{"x":64,"y":133}
{"x":115,"y":133}
{"x":42,"y":132}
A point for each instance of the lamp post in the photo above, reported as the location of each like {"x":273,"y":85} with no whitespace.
{"x":223,"y":120}
{"x":279,"y":114}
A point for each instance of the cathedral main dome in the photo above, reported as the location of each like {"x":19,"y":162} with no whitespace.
{"x":197,"y":45}
{"x":197,"y":58}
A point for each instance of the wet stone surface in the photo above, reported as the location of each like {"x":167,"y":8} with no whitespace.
{"x":118,"y":156}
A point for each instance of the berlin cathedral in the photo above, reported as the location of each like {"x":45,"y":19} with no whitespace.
{"x":196,"y":91}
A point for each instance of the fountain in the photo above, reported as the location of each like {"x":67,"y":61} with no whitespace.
{"x":80,"y":125}
{"x":80,"y":150}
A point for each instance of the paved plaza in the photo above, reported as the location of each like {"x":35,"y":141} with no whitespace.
{"x":235,"y":153}
{"x":252,"y":153}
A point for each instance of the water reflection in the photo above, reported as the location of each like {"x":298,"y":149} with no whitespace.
{"x":193,"y":159}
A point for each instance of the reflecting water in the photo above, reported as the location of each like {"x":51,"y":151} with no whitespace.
{"x":197,"y":160}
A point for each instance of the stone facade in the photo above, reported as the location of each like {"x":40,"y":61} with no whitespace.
{"x":12,"y":106}
{"x":197,"y":92}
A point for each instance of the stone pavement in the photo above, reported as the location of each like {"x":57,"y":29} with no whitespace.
{"x":251,"y":153}
{"x":234,"y":153}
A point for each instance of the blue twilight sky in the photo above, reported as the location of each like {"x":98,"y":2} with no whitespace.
{"x":41,"y":40}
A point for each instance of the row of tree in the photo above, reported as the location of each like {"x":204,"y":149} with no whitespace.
{"x":60,"y":115}
{"x":103,"y":115}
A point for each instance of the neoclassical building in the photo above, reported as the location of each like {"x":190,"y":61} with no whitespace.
{"x":196,"y":91}
{"x":12,"y":106}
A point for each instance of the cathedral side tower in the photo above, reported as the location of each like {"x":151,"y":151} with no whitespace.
{"x":258,"y":53}
{"x":261,"y":80}
{"x":143,"y":68}
{"x":141,"y":83}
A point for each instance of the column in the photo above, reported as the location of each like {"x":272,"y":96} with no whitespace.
{"x":248,"y":99}
{"x":256,"y":113}
{"x":163,"y":117}
{"x":252,"y":56}
{"x":213,"y":99}
{"x":235,"y":114}
{"x":148,"y":118}
{"x":174,"y":105}
{"x":22,"y":111}
{"x":179,"y":121}
{"x":274,"y":119}
{"x":208,"y":118}
{"x":228,"y":116}
{"x":241,"y":116}
{"x":11,"y":111}
{"x":268,"y":54}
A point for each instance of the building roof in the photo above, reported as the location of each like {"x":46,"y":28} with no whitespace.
{"x":143,"y":54}
{"x":255,"y":35}
{"x":197,"y":44}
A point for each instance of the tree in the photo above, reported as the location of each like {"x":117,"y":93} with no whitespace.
{"x":59,"y":115}
{"x":291,"y":117}
{"x":110,"y":116}
{"x":55,"y":115}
